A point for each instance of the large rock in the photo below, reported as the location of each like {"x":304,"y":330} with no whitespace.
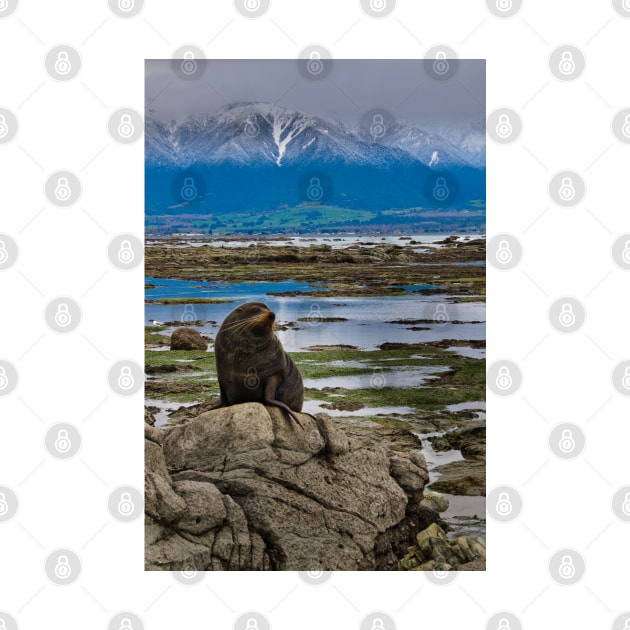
{"x":187,"y":339}
{"x":256,"y":491}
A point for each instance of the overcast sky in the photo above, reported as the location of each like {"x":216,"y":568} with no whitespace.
{"x":353,"y":87}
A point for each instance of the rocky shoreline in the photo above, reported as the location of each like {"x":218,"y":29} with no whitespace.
{"x":244,"y":488}
{"x":353,"y":271}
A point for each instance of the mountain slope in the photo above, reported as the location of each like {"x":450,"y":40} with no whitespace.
{"x":257,"y":157}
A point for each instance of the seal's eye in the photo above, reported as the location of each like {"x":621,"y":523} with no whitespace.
{"x":255,"y":310}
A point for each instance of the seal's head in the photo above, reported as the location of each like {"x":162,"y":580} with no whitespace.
{"x":252,"y":318}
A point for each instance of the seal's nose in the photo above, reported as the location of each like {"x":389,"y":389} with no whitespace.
{"x":271,"y":315}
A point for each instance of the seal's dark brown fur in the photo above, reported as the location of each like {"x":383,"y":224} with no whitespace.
{"x":252,"y":365}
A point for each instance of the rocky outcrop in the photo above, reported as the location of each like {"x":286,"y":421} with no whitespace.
{"x":187,"y":339}
{"x":468,"y":476}
{"x":246,"y":488}
{"x":433,"y":551}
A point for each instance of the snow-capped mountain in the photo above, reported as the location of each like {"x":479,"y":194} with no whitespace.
{"x":262,"y":156}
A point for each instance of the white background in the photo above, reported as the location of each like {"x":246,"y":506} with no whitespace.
{"x":63,"y":252}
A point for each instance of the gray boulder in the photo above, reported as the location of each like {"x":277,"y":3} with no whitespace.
{"x":246,"y":488}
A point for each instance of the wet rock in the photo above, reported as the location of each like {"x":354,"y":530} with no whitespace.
{"x":187,"y":339}
{"x":434,"y":551}
{"x":435,"y":501}
{"x":466,"y":478}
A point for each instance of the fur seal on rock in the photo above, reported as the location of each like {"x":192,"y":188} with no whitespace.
{"x":252,"y":365}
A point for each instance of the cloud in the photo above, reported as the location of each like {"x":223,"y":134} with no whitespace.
{"x":402,"y":87}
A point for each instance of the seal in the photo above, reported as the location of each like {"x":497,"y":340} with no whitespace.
{"x":252,"y":365}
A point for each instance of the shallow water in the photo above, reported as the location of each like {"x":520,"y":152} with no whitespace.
{"x":335,"y":242}
{"x":412,"y":377}
{"x":366,"y":326}
{"x":161,"y":417}
{"x":314,"y":406}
